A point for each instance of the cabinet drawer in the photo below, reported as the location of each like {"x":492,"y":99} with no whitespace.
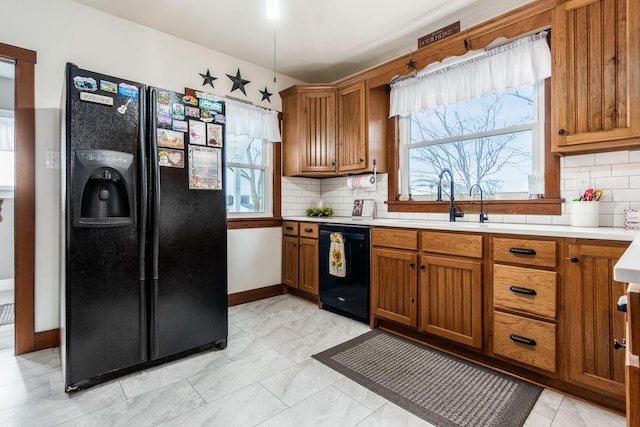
{"x":525,"y":251}
{"x":290,"y":228}
{"x":467,"y":245}
{"x":395,"y":238}
{"x":526,"y":340}
{"x":309,"y":229}
{"x":525,"y":289}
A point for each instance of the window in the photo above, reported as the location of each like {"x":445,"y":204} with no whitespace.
{"x":7,"y":169}
{"x":249,"y":176}
{"x":496,"y":141}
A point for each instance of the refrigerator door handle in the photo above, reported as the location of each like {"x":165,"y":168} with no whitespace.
{"x":155,"y":237}
{"x":144,"y":200}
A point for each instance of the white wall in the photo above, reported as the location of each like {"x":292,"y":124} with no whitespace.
{"x":616,"y":173}
{"x":254,"y":258}
{"x":62,"y":31}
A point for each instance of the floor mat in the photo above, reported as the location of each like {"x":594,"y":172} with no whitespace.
{"x":439,"y":388}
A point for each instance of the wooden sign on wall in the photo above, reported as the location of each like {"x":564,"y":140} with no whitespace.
{"x":439,"y":34}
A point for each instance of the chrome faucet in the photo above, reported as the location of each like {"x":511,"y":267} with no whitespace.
{"x":483,"y":216}
{"x":452,"y":210}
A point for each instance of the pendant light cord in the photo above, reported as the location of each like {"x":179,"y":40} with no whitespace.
{"x":274,"y":53}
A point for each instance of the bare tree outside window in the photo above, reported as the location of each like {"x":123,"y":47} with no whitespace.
{"x":246,"y":174}
{"x":489,"y":140}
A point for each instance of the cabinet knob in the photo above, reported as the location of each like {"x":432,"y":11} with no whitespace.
{"x":574,"y":259}
{"x":561,"y":131}
{"x":617,"y":345}
{"x":412,"y":264}
{"x":361,"y":160}
{"x":333,"y":163}
{"x":422,"y":267}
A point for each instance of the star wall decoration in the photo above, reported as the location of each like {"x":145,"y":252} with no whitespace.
{"x":411,"y":64}
{"x":238,"y":82}
{"x":266,"y":95}
{"x":208,"y":79}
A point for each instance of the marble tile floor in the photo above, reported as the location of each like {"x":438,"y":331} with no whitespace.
{"x":6,"y":297}
{"x":265,"y":377}
{"x":6,"y":331}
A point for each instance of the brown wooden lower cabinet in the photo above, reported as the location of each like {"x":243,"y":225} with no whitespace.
{"x":394,"y":285}
{"x":451,"y":299}
{"x":550,"y":304}
{"x":593,"y":321}
{"x":300,"y":256}
{"x":290,"y":261}
{"x":526,"y":340}
{"x":308,"y":265}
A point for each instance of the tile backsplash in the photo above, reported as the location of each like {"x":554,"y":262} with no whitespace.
{"x":616,"y":173}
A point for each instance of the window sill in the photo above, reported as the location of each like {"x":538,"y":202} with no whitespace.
{"x":513,"y":207}
{"x":240,"y":223}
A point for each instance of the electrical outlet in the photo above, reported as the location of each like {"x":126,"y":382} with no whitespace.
{"x":583,"y":181}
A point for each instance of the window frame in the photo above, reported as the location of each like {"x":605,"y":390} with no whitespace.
{"x":275,"y":220}
{"x":536,"y":127}
{"x":267,"y":168}
{"x":550,"y":205}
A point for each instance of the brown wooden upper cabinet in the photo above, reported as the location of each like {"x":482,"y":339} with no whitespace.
{"x":309,"y":130}
{"x":595,"y":75}
{"x":330,"y":130}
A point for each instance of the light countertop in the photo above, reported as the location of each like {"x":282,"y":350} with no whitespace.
{"x":602,"y":233}
{"x":627,"y":269}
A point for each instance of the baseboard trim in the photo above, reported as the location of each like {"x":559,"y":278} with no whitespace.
{"x":46,"y":339}
{"x":255,"y":294}
{"x":306,"y":295}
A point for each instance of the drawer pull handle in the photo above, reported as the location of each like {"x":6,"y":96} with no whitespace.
{"x":519,"y":290}
{"x":522,"y":251}
{"x":289,"y":227}
{"x":522,"y":340}
{"x":308,"y":230}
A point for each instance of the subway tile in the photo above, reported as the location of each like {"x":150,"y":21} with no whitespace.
{"x":614,"y":157}
{"x":598,"y":171}
{"x":580,"y":160}
{"x":629,"y":195}
{"x":634,"y":156}
{"x":613,"y":182}
{"x":627,"y":169}
{"x":606,"y":220}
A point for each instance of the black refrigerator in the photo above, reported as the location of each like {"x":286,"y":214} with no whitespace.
{"x":143,"y":227}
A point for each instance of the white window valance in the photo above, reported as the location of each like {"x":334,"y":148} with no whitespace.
{"x":7,"y":132}
{"x":526,"y":60}
{"x":249,"y":120}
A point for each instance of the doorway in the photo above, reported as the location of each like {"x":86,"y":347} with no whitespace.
{"x":7,"y":184}
{"x":23,"y":61}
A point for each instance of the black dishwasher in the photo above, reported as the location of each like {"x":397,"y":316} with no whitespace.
{"x":348,"y":295}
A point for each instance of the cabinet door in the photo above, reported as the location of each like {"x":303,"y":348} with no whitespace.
{"x":595,"y":75}
{"x":394,"y":285}
{"x":308,"y":265}
{"x":290,"y":261}
{"x":352,"y":129}
{"x":318,"y":132}
{"x":451,"y":299}
{"x":593,"y":320}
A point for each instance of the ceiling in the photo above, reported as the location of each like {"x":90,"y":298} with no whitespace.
{"x":316,"y":41}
